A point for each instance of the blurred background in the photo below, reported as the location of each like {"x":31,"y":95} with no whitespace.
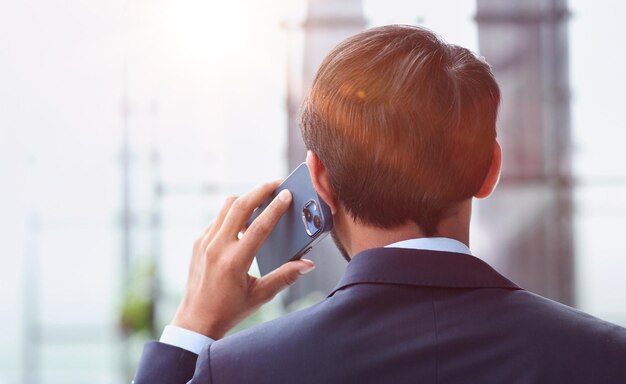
{"x":125,"y":123}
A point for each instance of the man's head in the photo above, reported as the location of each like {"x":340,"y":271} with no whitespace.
{"x":404,"y":125}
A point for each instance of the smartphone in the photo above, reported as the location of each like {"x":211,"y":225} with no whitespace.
{"x":307,"y":221}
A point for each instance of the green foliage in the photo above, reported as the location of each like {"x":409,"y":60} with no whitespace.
{"x":137,"y":312}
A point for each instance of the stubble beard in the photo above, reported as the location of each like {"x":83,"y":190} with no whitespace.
{"x":339,"y":245}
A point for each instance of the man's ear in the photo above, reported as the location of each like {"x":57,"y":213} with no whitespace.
{"x":320,"y":180}
{"x":493,"y":176}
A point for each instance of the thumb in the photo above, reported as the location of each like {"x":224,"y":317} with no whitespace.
{"x":282,"y":277}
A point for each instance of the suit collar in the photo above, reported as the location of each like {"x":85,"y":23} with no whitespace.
{"x":422,"y":268}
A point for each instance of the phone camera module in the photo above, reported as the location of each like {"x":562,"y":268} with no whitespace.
{"x":312,"y":218}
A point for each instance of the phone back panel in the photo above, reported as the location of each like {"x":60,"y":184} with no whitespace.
{"x":289,"y":240}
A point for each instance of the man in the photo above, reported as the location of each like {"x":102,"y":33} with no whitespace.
{"x":401,"y":133}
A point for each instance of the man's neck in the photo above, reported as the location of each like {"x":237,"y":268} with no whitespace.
{"x":357,"y":237}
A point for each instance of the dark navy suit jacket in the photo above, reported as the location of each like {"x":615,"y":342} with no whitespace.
{"x":409,"y":316}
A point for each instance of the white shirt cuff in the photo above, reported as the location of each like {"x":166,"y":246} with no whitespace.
{"x":184,"y":338}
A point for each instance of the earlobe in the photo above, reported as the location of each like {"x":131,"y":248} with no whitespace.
{"x":321,"y":183}
{"x":493,"y":175}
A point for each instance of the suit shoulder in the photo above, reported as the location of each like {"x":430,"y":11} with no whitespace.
{"x":553,"y":312}
{"x":551,"y":322}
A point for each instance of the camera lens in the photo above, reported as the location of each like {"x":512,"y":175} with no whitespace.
{"x":312,"y":218}
{"x":307,"y":214}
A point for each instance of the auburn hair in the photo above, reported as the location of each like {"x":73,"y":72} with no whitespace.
{"x":404,"y":124}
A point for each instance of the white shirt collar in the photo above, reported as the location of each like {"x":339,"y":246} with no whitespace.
{"x":433,"y":244}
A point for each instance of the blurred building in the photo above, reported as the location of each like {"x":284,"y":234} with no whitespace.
{"x":529,"y":218}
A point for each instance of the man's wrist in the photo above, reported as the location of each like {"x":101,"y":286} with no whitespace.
{"x":198,"y":324}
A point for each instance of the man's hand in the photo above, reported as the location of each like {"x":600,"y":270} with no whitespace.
{"x":220,"y":292}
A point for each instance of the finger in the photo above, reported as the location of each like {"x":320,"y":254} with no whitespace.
{"x":264,"y":224}
{"x":242,"y":208}
{"x":268,"y":286}
{"x":206,"y":229}
{"x":198,"y":245}
{"x":212,"y":229}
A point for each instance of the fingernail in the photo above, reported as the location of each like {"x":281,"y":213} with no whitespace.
{"x":306,"y":268}
{"x":284,"y":195}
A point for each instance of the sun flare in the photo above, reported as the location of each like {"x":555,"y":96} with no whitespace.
{"x":203,"y":30}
